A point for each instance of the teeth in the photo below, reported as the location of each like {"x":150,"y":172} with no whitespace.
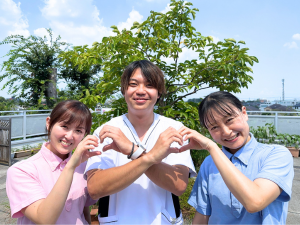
{"x":232,"y":138}
{"x":64,"y":143}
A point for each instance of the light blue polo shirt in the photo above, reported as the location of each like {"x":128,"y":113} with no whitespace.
{"x":210,"y":195}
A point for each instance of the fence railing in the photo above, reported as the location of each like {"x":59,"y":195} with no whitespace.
{"x":28,"y":126}
{"x":284,"y":122}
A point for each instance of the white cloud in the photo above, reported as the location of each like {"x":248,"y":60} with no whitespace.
{"x":78,"y":22}
{"x":291,"y":45}
{"x":12,"y":21}
{"x":133,"y":16}
{"x":167,"y":9}
{"x":296,"y":37}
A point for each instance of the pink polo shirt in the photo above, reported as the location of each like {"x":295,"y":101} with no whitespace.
{"x":33,"y":179}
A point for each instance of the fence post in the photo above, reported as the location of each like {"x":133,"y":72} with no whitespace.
{"x":276,"y":121}
{"x":5,"y":141}
{"x":24,"y":125}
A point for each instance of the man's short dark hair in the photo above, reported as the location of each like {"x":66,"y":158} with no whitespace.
{"x":150,"y":71}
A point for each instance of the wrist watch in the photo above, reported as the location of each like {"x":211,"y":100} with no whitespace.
{"x":139,"y":151}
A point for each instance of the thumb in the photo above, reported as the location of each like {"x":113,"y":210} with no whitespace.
{"x":184,"y":148}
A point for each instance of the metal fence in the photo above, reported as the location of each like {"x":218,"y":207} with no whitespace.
{"x":284,"y":122}
{"x":27,"y":127}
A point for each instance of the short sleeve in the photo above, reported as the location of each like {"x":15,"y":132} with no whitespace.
{"x":104,"y":161}
{"x":199,"y":197}
{"x":23,"y":189}
{"x":278,"y":167}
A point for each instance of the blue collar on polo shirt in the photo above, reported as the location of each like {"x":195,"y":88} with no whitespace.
{"x":245,"y":152}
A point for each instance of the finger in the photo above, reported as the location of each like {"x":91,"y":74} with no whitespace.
{"x":109,"y":147}
{"x":184,"y":148}
{"x":91,"y":154}
{"x":91,"y":137}
{"x":173,"y":150}
{"x":182,"y":128}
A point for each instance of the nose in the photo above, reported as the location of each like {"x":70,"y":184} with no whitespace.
{"x":69,"y":134}
{"x":140,"y":89}
{"x":226,"y":131}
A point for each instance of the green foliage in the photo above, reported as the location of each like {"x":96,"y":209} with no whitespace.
{"x":78,"y":80}
{"x":188,"y":211}
{"x":7,"y":104}
{"x":269,"y":135}
{"x":163,"y":36}
{"x":29,"y":66}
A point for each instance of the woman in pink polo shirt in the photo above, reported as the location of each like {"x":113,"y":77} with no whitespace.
{"x":49,"y":187}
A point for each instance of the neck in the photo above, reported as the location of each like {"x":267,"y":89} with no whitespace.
{"x":141,"y":122}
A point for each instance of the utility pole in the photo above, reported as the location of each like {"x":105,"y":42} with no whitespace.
{"x":282,"y":89}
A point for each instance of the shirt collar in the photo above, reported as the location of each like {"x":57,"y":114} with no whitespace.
{"x":53,"y":160}
{"x":245,"y":152}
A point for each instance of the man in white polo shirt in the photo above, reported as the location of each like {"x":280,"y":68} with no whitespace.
{"x":140,"y":175}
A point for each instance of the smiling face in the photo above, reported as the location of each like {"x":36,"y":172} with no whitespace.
{"x":231,"y":131}
{"x":140,"y":95}
{"x":64,"y":137}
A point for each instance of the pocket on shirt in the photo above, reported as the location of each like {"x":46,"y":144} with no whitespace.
{"x":78,"y":198}
{"x":108,"y":220}
{"x":166,"y":218}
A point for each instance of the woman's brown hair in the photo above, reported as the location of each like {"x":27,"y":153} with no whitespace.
{"x":71,"y":111}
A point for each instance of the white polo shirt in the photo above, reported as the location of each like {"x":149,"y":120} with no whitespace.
{"x":142,"y":202}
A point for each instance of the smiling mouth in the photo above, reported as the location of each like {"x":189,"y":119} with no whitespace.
{"x":65,"y":143}
{"x":234,"y":137}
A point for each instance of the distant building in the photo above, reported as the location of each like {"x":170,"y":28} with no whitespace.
{"x":278,"y":107}
{"x":251,"y":108}
{"x":297,"y":107}
{"x":287,"y":103}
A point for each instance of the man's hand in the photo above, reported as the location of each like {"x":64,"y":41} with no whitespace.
{"x":120,"y":141}
{"x":162,"y":147}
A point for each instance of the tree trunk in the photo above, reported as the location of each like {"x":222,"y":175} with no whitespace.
{"x":50,"y":92}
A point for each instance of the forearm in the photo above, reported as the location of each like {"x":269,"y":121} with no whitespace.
{"x":47,"y":211}
{"x":200,"y":219}
{"x":87,"y":215}
{"x":109,"y":181}
{"x":171,"y":178}
{"x":248,"y":192}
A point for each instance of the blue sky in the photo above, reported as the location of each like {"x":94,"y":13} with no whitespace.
{"x":270,"y":28}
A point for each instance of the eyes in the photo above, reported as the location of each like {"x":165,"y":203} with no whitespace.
{"x":77,"y":130}
{"x":228,"y":121}
{"x":135,"y":84}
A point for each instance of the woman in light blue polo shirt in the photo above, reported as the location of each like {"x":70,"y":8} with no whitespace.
{"x":244,"y":183}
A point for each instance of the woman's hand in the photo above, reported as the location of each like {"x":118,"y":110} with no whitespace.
{"x":82,"y":152}
{"x":197,"y":140}
{"x":120,"y":141}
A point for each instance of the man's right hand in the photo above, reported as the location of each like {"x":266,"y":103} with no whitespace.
{"x":120,"y":141}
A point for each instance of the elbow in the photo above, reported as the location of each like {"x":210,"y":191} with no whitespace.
{"x":254,"y":206}
{"x":95,"y":192}
{"x":180,"y":189}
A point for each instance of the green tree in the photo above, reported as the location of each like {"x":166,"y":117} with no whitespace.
{"x":77,"y":80}
{"x":163,"y":36}
{"x":31,"y":68}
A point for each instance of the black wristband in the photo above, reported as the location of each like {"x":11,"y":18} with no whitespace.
{"x":129,"y":156}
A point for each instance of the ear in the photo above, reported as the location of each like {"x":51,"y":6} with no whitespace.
{"x":47,"y":123}
{"x":244,"y":113}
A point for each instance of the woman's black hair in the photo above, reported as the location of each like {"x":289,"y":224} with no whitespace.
{"x":221,"y":102}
